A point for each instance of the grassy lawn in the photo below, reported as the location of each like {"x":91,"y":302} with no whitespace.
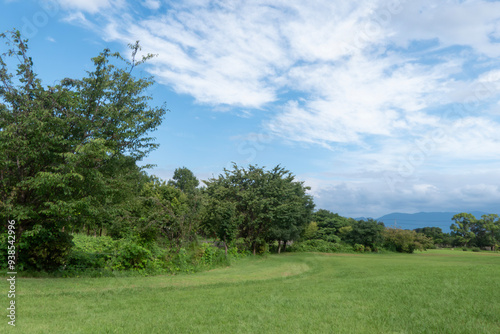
{"x":438,"y":291}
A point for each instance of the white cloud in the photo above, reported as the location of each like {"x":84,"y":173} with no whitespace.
{"x":90,"y":6}
{"x":152,"y":4}
{"x":452,"y":22}
{"x":373,"y":81}
{"x":360,"y":97}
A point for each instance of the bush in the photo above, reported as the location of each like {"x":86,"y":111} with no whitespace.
{"x":104,"y":253}
{"x":359,"y":248}
{"x":104,"y":256}
{"x":130,"y":255}
{"x":316,"y":245}
{"x":43,"y":249}
{"x":476,"y":249}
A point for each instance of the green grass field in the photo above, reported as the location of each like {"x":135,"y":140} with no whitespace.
{"x":438,"y":291}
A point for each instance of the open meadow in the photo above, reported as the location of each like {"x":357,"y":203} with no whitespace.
{"x":438,"y":291}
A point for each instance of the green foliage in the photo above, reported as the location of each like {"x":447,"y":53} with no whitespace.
{"x":437,"y":235}
{"x":221,"y":219}
{"x":184,"y":180}
{"x":358,"y":248}
{"x":104,"y":253}
{"x":486,"y":231}
{"x":364,"y":232}
{"x":257,"y":205}
{"x":461,"y":228}
{"x":159,"y":211}
{"x":105,"y":256}
{"x":405,"y":241}
{"x":43,"y":249}
{"x":329,"y":222}
{"x":310,"y":231}
{"x":214,"y":256}
{"x":68,"y":152}
{"x":318,"y":245}
{"x":39,"y":250}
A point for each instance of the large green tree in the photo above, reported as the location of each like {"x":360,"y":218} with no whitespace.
{"x":66,"y":150}
{"x":365,"y":232}
{"x":268,"y":204}
{"x":330,"y":225}
{"x":461,"y":228}
{"x":486,"y":231}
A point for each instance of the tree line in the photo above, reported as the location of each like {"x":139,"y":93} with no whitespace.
{"x":370,"y":235}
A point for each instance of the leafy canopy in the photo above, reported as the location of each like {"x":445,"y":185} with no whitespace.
{"x":68,"y":151}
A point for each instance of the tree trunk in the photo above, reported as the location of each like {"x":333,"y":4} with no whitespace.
{"x":254,"y":247}
{"x":279,"y":246}
{"x":284,"y":246}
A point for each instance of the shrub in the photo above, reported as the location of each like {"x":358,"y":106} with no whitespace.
{"x":476,"y":249}
{"x":359,"y":248}
{"x":44,"y":249}
{"x":315,"y":245}
{"x":130,"y":255}
{"x":100,"y":253}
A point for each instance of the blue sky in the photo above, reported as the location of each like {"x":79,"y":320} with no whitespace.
{"x":379,"y":106}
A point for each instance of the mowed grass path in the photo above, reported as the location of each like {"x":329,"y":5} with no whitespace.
{"x":438,"y":291}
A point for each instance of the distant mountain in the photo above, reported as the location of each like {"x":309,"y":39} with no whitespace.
{"x":410,"y":221}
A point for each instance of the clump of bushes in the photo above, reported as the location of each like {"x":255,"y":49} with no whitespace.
{"x":319,"y":245}
{"x":359,"y":248}
{"x":405,"y":241}
{"x":106,"y":255}
{"x":39,"y":249}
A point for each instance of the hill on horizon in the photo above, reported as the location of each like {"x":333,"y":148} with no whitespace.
{"x":411,"y":221}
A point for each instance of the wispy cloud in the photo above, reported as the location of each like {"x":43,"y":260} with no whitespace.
{"x":90,"y":6}
{"x":372,"y":81}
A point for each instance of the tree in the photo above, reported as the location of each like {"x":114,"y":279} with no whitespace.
{"x":184,"y":180}
{"x":485,"y":230}
{"x":436,"y":234}
{"x":330,"y":224}
{"x":405,"y":241}
{"x":310,"y":231}
{"x":291,"y":206}
{"x":65,"y":150}
{"x":461,"y":228}
{"x":169,"y":212}
{"x":365,"y":232}
{"x":269,"y":205}
{"x":222,"y":220}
